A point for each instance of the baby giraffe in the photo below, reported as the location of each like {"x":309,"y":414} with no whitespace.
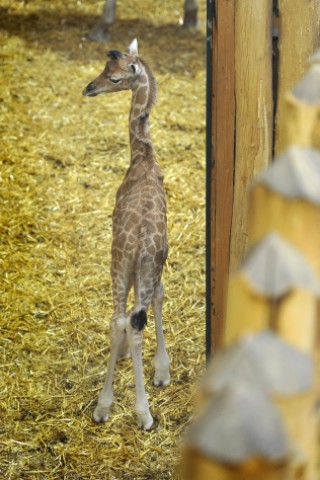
{"x":139,"y":245}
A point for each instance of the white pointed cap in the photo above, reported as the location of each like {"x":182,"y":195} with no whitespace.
{"x":239,"y":424}
{"x":273,"y":267}
{"x":294,"y":174}
{"x":261,"y":361}
{"x":308,"y":89}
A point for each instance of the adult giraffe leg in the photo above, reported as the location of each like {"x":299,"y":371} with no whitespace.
{"x":190,"y":19}
{"x":100,"y":32}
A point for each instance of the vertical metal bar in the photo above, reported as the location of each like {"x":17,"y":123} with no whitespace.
{"x":208,"y":174}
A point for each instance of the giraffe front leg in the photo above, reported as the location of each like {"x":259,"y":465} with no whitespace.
{"x":105,"y":399}
{"x":135,"y":328}
{"x":161,"y":359}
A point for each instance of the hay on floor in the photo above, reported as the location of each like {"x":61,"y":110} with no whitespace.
{"x":62,"y":159}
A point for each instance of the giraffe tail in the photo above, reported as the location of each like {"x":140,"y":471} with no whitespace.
{"x":139,"y":320}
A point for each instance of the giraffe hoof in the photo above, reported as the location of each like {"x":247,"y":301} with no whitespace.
{"x":191,"y":19}
{"x":100,"y":414}
{"x":145,"y":420}
{"x":146,"y":423}
{"x":161,"y":380}
{"x":154,"y":425}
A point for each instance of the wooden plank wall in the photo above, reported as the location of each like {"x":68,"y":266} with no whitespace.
{"x":242,"y":123}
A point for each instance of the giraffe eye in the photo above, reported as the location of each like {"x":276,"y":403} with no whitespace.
{"x":115,"y":80}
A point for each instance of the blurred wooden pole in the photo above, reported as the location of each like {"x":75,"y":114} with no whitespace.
{"x":254,"y":109}
{"x":286,"y":199}
{"x":301,"y":109}
{"x":258,"y":300}
{"x":299,"y":37}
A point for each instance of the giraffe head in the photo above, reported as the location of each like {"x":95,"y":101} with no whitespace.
{"x":120,"y":72}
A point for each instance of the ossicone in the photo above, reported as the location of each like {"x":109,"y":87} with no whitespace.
{"x":133,"y":47}
{"x":114,"y":54}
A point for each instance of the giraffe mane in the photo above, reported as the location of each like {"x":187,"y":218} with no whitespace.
{"x":153,"y":86}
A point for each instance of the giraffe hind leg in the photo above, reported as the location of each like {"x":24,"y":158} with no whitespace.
{"x":135,"y":328}
{"x":139,"y":320}
{"x":124,"y":349}
{"x":121,"y":283}
{"x":161,"y":359}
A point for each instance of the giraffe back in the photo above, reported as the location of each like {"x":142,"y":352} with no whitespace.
{"x":139,"y":216}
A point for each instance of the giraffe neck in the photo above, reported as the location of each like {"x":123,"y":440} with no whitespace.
{"x":143,"y":98}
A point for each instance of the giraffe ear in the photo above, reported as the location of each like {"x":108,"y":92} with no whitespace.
{"x":133,"y":47}
{"x":135,"y":68}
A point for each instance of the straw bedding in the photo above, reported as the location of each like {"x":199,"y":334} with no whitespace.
{"x":62,"y":158}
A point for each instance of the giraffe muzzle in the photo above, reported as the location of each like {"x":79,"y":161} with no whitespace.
{"x":89,"y":90}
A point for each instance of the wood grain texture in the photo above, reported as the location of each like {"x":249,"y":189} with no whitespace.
{"x":222,"y":168}
{"x":254,"y":107}
{"x":299,"y":37}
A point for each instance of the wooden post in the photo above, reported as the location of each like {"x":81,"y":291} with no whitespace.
{"x":254,"y":109}
{"x":222,"y":162}
{"x":299,"y":37}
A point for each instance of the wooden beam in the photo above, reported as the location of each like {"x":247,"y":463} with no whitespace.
{"x":222,"y":164}
{"x":254,"y":110}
